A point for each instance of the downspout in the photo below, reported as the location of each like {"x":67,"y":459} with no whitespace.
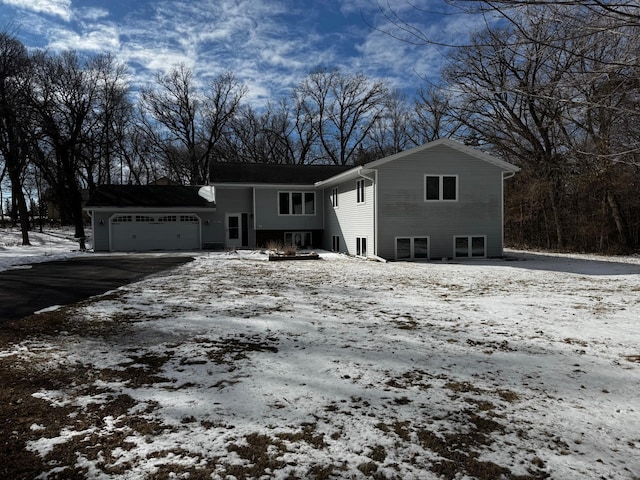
{"x":93,"y":229}
{"x":374,"y":181}
{"x":505,"y":176}
{"x":255,"y":218}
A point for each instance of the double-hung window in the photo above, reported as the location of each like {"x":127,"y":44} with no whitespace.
{"x":335,"y":243}
{"x":296,"y":203}
{"x":361,"y":246}
{"x":439,"y":188}
{"x":360,"y":191}
{"x":334,"y":197}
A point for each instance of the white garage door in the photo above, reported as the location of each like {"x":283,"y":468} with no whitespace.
{"x":133,"y":232}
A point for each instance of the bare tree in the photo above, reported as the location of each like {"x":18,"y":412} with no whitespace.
{"x":392,"y":132}
{"x":344,"y":108}
{"x":14,"y":125}
{"x":223,"y":100}
{"x":113,"y":114}
{"x":64,"y":95}
{"x":172,"y":107}
{"x":283,"y":133}
{"x":302,"y":136}
{"x":506,"y":99}
{"x":433,"y":115}
{"x":193,"y":123}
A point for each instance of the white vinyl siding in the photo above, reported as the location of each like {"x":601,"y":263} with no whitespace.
{"x":353,"y":219}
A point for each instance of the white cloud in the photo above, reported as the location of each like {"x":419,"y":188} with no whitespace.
{"x":270,"y":45}
{"x":93,"y":14}
{"x":55,"y":8}
{"x":94,"y":38}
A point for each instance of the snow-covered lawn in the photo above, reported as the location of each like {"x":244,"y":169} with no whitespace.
{"x":52,"y":244}
{"x":235,"y":367}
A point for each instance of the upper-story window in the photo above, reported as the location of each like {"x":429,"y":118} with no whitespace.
{"x":296,"y":203}
{"x":334,"y":197}
{"x":360,"y":191}
{"x":440,"y":188}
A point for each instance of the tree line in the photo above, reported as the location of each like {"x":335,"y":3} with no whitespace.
{"x":552,"y":87}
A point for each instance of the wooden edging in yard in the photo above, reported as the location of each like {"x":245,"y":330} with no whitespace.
{"x":279,"y":258}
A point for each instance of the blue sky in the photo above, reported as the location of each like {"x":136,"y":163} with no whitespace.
{"x":270,"y":45}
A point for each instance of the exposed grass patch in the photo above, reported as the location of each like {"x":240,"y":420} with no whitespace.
{"x":306,"y":434}
{"x":260,"y":451}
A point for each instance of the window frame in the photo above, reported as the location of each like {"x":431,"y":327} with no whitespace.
{"x":303,"y":196}
{"x":335,"y":243}
{"x":304,"y":236}
{"x":361,"y":187}
{"x":361,"y":247}
{"x":233,"y":231}
{"x":334,"y":197}
{"x":441,"y":177}
{"x":470,"y":239}
{"x":412,"y":242}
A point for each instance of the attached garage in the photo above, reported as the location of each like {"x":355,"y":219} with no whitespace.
{"x":140,"y":218}
{"x":133,"y":233}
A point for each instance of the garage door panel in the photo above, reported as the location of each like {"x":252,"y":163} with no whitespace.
{"x":155,"y":232}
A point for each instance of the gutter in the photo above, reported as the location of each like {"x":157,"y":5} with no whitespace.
{"x":505,"y":176}
{"x":340,"y":177}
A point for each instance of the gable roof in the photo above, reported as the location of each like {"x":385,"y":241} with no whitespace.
{"x":273,"y":174}
{"x":357,"y":171}
{"x":163,"y":196}
{"x":480,"y":155}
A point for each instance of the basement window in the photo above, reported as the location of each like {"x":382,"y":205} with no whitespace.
{"x":361,"y":246}
{"x":470,"y":247}
{"x":297,"y":239}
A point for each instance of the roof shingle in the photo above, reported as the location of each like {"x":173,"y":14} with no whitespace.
{"x":269,"y":173}
{"x":147,"y":196}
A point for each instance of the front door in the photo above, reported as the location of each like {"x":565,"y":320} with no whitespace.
{"x":234,"y":230}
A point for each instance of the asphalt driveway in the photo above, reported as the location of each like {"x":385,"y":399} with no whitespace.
{"x":26,"y":290}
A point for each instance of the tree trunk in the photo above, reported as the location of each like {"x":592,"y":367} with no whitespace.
{"x":556,"y":219}
{"x":618,"y":218}
{"x":21,"y":204}
{"x":75,"y":208}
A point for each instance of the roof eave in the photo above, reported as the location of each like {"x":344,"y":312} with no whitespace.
{"x":261,"y":185}
{"x":341,"y":177}
{"x":450,"y":143}
{"x":133,"y":208}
